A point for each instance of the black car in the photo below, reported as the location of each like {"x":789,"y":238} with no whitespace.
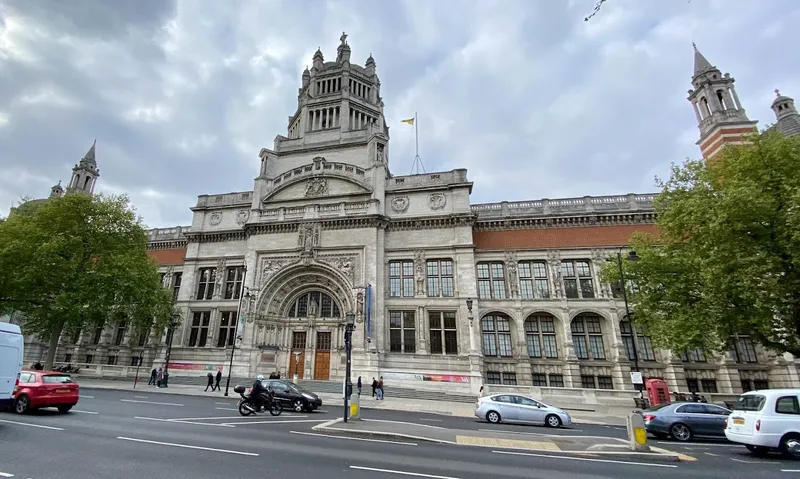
{"x":292,"y":397}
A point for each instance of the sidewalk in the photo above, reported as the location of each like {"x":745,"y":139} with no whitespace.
{"x":392,"y":404}
{"x":587,"y":446}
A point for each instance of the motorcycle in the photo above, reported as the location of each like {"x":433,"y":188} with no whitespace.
{"x":246,"y":406}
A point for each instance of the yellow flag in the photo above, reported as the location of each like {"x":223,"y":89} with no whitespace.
{"x":410,"y":121}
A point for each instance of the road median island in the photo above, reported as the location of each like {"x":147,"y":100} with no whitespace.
{"x":585,"y":446}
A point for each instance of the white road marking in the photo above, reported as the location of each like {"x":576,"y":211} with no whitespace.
{"x":699,"y":444}
{"x":223,"y":403}
{"x":86,"y":397}
{"x":538,"y":433}
{"x":541,"y":434}
{"x":711,"y":454}
{"x":279,"y":421}
{"x":754,"y":462}
{"x":790,"y":470}
{"x":187,"y":446}
{"x":585,"y":459}
{"x":227,"y":408}
{"x":430,"y":420}
{"x":354,"y":438}
{"x":181,"y":422}
{"x":402,"y":473}
{"x":140,"y":397}
{"x":153,"y":402}
{"x":402,"y":422}
{"x":84,"y":412}
{"x":5,"y":474}
{"x":32,"y":425}
{"x":223,"y":417}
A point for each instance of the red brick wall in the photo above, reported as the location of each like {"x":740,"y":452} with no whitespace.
{"x":582,"y":237}
{"x":168,"y":256}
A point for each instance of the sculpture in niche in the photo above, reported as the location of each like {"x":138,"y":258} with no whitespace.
{"x":317,"y":187}
{"x":419,"y":271}
{"x":308,"y":236}
{"x":220,"y":278}
{"x":554,"y":260}
{"x":242,"y":216}
{"x":312,"y":307}
{"x":437,"y":201}
{"x":380,"y":153}
{"x":215,"y":218}
{"x":599,"y":258}
{"x":511,"y":267}
{"x":400,"y":204}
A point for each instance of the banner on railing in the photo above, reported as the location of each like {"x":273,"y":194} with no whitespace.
{"x":195,"y":366}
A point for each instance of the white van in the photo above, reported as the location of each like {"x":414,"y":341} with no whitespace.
{"x":11,"y":349}
{"x":767,"y":420}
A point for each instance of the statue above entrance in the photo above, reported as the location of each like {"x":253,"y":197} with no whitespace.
{"x":308,"y":236}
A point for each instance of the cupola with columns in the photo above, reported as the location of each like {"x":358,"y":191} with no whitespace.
{"x":720,"y":116}
{"x":786,"y":115}
{"x":85,"y":173}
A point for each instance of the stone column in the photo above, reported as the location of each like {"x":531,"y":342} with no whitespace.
{"x":421,"y":330}
{"x":728,"y":380}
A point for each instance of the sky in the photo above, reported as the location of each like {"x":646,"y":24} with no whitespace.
{"x":535,"y":102}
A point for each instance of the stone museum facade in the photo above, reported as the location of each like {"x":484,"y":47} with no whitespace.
{"x":328,"y":231}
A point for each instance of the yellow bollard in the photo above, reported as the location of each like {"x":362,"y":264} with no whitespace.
{"x":641,"y":435}
{"x":637,"y":434}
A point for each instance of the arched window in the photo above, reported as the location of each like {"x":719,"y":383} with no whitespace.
{"x":496,"y":335}
{"x":315,"y":303}
{"x":644,"y":347}
{"x":587,"y":337}
{"x":540,"y":336}
{"x":86,"y":183}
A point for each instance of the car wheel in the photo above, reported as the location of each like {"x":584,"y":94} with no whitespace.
{"x":493,"y":417}
{"x":298,"y":405}
{"x":552,"y":420}
{"x":22,"y":404}
{"x":64,"y":409}
{"x":680,"y":432}
{"x":790,"y":446}
{"x":757,"y":450}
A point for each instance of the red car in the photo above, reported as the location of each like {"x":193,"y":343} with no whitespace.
{"x":37,"y":389}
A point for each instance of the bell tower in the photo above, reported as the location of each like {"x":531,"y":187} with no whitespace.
{"x":720,"y":116}
{"x":85,"y":173}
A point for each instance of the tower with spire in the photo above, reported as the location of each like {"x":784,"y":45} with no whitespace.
{"x":787,"y":119}
{"x":720,"y":116}
{"x":85,"y":173}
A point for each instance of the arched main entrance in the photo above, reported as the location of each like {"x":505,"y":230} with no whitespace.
{"x":306,"y":306}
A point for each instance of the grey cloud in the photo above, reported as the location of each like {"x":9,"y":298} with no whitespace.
{"x":534,"y":101}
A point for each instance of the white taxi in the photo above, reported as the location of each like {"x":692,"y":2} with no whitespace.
{"x":767,"y":420}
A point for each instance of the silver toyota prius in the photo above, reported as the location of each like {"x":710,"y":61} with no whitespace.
{"x":514,"y":408}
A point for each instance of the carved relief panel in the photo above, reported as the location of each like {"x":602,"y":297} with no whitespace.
{"x":419,"y":272}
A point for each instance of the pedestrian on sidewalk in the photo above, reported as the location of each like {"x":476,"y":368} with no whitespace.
{"x":380,"y":389}
{"x":210,"y":382}
{"x":159,"y":377}
{"x":153,"y":376}
{"x":219,"y":378}
{"x":359,"y":385}
{"x":374,"y":386}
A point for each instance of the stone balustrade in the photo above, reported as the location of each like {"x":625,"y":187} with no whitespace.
{"x":167,"y":234}
{"x":567,"y":206}
{"x":241,"y":198}
{"x":330,"y":210}
{"x":425,"y":180}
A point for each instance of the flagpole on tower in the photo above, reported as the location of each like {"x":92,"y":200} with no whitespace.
{"x":417,"y":160}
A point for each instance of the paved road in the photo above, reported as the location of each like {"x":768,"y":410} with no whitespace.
{"x":119,"y":435}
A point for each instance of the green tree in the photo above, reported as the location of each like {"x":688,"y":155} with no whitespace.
{"x":79,"y":261}
{"x":726,"y":260}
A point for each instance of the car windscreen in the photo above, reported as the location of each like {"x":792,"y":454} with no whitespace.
{"x":56,"y":379}
{"x":750,"y":402}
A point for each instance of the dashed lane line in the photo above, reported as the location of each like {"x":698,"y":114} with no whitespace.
{"x":186,"y":446}
{"x":84,"y":412}
{"x":354,"y":438}
{"x":279,"y":421}
{"x":32,"y":425}
{"x":152,"y":402}
{"x":181,"y":422}
{"x":585,"y":459}
{"x":401,"y":473}
{"x":6,"y":474}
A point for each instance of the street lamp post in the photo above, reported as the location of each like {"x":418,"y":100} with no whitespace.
{"x":138,"y":365}
{"x":472,"y":349}
{"x":236,"y":331}
{"x":348,"y":346}
{"x":632,"y":256}
{"x":172,"y":325}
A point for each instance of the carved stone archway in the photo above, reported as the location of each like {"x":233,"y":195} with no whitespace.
{"x":292,"y":280}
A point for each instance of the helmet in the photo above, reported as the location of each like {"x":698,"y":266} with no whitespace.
{"x":260,"y":377}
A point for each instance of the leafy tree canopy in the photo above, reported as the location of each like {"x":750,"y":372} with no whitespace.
{"x":727,"y":258}
{"x":79,"y":261}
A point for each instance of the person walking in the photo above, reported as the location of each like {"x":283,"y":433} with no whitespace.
{"x":358,"y":384}
{"x":159,"y":377}
{"x":210,"y":382}
{"x":374,"y":386}
{"x":153,"y":377}
{"x":380,"y":389}
{"x":219,"y":378}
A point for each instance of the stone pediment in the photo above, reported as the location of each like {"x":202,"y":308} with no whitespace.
{"x":317,"y":186}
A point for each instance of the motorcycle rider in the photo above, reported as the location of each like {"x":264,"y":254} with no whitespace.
{"x":257,"y":393}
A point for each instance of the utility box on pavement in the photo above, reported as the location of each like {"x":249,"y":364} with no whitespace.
{"x":355,"y":406}
{"x":637,"y":434}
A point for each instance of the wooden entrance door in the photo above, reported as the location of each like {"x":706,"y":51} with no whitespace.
{"x":322,"y":356}
{"x":297,"y":364}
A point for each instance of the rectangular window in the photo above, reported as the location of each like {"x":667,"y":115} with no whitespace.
{"x":587,"y":382}
{"x":708,"y":385}
{"x":119,"y":335}
{"x":89,"y":358}
{"x":402,"y":332}
{"x":577,"y":277}
{"x":206,"y":279}
{"x":540,"y":336}
{"x":760,"y":384}
{"x":401,"y":279}
{"x":539,"y":379}
{"x":298,"y":339}
{"x":746,"y":350}
{"x":492,"y":377}
{"x":141,"y":337}
{"x":605,"y":382}
{"x":491,"y":281}
{"x":533,"y":282}
{"x":444,"y":339}
{"x":227,"y":329}
{"x":323,"y":340}
{"x":440,"y":278}
{"x":198,"y":335}
{"x":510,"y":379}
{"x":556,"y":380}
{"x":233,"y":282}
{"x":496,"y":336}
{"x":176,"y":285}
{"x":693,"y":385}
{"x":112,"y":359}
{"x":644,"y":345}
{"x":68,"y":358}
{"x":98,"y":335}
{"x":135,"y":361}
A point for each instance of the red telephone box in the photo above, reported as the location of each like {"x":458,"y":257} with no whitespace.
{"x":657,"y":391}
